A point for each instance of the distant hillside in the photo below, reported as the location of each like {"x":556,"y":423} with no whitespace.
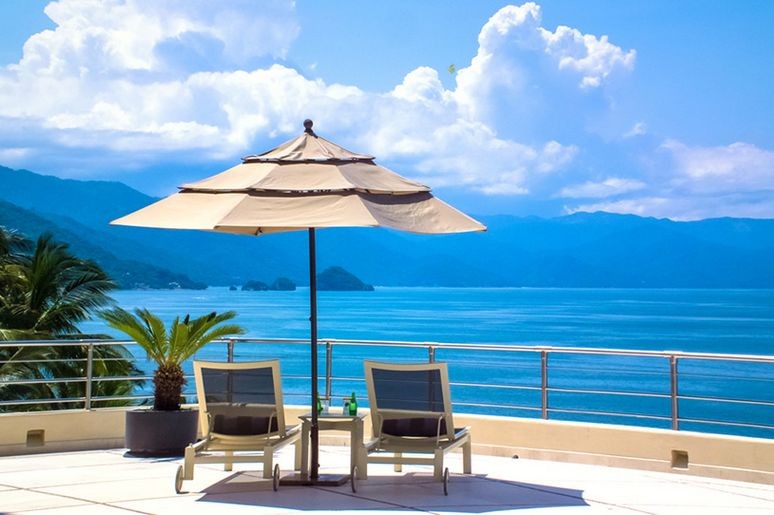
{"x":127,"y":273}
{"x":335,"y":278}
{"x":581,"y":250}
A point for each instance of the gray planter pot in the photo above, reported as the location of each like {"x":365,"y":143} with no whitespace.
{"x":160,"y":433}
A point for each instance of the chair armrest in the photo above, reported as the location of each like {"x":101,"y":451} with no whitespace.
{"x":460,"y":432}
{"x":293,"y":430}
{"x":438,"y":430}
{"x":268,"y":427}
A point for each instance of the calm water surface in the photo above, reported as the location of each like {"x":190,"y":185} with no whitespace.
{"x":730,"y":321}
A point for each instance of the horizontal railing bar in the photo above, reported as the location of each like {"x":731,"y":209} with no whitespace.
{"x":610,"y":392}
{"x":120,"y":398}
{"x":566,"y":350}
{"x":439,"y":345}
{"x":662,"y":371}
{"x":68,"y":360}
{"x":46,"y":381}
{"x":496,"y":386}
{"x":121,"y":378}
{"x":607,"y":413}
{"x":762,"y":379}
{"x":722,"y":423}
{"x":505,"y":406}
{"x":480,"y":385}
{"x":63,"y":343}
{"x":62,"y":400}
{"x":726,"y":400}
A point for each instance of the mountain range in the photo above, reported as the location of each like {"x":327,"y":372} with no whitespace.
{"x":579,"y":250}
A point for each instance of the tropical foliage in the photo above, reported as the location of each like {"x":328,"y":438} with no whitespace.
{"x":50,"y":291}
{"x":169,"y":349}
{"x":45,"y":292}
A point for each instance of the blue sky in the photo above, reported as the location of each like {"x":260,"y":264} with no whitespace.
{"x":656,"y":108}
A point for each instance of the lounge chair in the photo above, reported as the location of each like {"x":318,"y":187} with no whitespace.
{"x":411,"y":413}
{"x":240,"y":411}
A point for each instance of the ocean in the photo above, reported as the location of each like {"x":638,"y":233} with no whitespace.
{"x":714,"y":321}
{"x":723,"y":321}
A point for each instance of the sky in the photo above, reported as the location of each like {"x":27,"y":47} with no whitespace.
{"x":656,"y":108}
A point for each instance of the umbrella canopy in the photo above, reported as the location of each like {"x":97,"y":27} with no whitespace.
{"x":304,"y":184}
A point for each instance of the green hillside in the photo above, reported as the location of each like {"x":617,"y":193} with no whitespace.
{"x":127,"y":273}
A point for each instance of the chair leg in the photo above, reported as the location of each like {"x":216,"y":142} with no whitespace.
{"x":228,"y":465}
{"x":298,"y":456}
{"x":438,"y":464}
{"x":268,"y":462}
{"x":467,"y":453}
{"x":398,"y":466}
{"x":362,"y":462}
{"x":188,"y":463}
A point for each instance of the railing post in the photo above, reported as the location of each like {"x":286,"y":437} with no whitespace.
{"x":673,"y":392}
{"x":431,"y":354}
{"x":230,"y":347}
{"x":544,"y":384}
{"x":328,"y":371}
{"x":89,"y":374}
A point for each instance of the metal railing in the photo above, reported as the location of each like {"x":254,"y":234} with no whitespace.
{"x":730,"y":393}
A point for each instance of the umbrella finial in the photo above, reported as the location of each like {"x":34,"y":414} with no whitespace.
{"x":308,"y":127}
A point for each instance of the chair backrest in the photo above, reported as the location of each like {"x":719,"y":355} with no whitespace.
{"x":240,"y":399}
{"x":409,"y":400}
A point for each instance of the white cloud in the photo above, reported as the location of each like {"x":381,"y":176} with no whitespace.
{"x":659,"y":207}
{"x":422,"y":85}
{"x":512,"y":37}
{"x":609,"y":187}
{"x":593,"y":58}
{"x":122,"y":36}
{"x":14,"y":154}
{"x":735,"y":167}
{"x":685,"y":208}
{"x":735,"y":180}
{"x":188,"y":77}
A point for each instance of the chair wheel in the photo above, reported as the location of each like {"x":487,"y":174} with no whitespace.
{"x":446,"y":481}
{"x":353,"y":479}
{"x":276,"y":478}
{"x":179,"y":480}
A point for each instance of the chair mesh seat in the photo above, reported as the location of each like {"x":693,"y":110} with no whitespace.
{"x":414,"y":426}
{"x":243,"y":425}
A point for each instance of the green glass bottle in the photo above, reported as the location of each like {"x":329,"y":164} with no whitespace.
{"x":352,"y":405}
{"x":319,"y":405}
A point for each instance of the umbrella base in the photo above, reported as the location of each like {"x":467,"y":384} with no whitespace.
{"x":299,"y":479}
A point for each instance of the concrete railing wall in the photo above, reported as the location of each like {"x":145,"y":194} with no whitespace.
{"x":682,"y":452}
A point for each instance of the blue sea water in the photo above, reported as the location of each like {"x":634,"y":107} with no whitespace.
{"x":726,"y":321}
{"x":715,"y":321}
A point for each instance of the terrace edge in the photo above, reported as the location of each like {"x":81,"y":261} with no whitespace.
{"x":659,"y":450}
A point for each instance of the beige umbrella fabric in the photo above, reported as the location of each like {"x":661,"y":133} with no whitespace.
{"x":262,"y":213}
{"x":304,"y":184}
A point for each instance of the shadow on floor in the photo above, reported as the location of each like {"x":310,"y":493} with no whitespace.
{"x":412,"y":491}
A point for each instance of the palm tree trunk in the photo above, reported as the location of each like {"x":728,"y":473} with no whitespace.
{"x":168,"y":380}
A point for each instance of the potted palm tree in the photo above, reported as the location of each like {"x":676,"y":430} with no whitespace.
{"x":167,"y":429}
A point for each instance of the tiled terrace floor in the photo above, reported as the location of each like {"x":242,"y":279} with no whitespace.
{"x":106,"y":482}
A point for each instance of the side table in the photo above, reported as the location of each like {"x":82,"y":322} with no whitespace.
{"x":338,"y":422}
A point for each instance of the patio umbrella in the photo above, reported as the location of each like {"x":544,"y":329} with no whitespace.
{"x":307,"y":183}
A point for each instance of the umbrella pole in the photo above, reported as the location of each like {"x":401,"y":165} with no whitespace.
{"x":314,"y":433}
